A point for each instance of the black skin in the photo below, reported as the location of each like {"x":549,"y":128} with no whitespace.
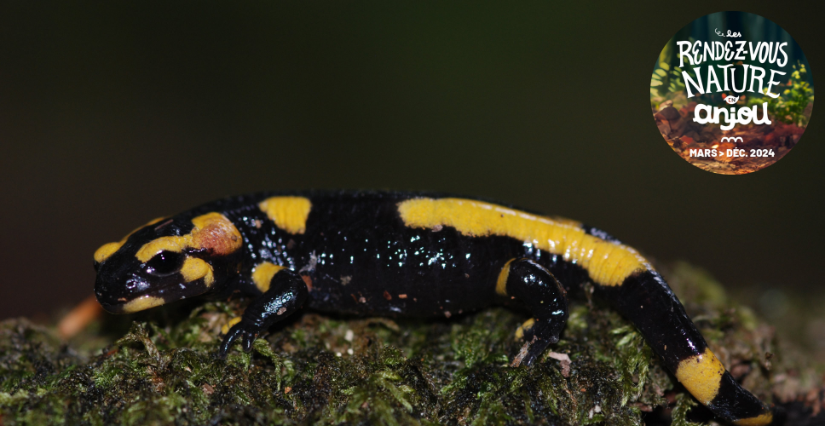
{"x":545,"y":298}
{"x":287,"y":293}
{"x":360,"y":258}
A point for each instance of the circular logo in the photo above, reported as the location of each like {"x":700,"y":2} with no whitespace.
{"x":732,"y":93}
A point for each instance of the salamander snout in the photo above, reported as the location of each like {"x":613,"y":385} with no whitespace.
{"x":122,"y":286}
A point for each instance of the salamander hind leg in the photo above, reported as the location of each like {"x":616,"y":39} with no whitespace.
{"x":286,"y":294}
{"x":546,"y":299}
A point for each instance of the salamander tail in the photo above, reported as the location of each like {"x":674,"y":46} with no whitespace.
{"x":647,"y":300}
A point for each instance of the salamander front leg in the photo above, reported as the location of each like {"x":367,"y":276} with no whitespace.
{"x":546,"y":299}
{"x":287,"y":293}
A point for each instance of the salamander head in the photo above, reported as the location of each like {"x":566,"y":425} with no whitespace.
{"x":164,"y":261}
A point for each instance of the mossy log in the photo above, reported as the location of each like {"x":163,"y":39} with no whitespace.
{"x":160,"y":367}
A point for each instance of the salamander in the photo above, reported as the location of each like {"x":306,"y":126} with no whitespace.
{"x":407,"y":254}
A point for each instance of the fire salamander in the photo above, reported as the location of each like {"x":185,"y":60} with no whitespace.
{"x":411,"y":254}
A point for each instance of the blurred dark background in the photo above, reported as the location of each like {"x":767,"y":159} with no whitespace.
{"x":113,"y":113}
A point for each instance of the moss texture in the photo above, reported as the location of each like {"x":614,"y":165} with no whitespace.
{"x":160,"y":368}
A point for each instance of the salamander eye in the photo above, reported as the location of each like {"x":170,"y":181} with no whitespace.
{"x":165,"y":263}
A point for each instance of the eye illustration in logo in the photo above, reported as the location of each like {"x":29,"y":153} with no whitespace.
{"x":731,"y":100}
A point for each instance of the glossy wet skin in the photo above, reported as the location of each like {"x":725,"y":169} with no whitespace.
{"x":126,"y":284}
{"x":395,"y":253}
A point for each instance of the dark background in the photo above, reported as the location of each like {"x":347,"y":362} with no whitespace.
{"x":114,"y":113}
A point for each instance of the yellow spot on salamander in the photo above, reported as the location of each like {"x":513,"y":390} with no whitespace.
{"x":701,"y":376}
{"x":141,"y":303}
{"x":263,"y":273}
{"x":288,"y":213}
{"x":175,"y":244}
{"x":760,"y":420}
{"x":501,"y":284}
{"x":524,"y":327}
{"x":212,"y":231}
{"x":194,"y":269}
{"x":107,"y":250}
{"x":608,"y":263}
{"x":225,"y":328}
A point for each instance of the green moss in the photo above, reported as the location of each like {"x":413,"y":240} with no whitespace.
{"x":683,"y":404}
{"x":160,"y":368}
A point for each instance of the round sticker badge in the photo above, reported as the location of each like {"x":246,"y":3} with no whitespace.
{"x":732,"y":93}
